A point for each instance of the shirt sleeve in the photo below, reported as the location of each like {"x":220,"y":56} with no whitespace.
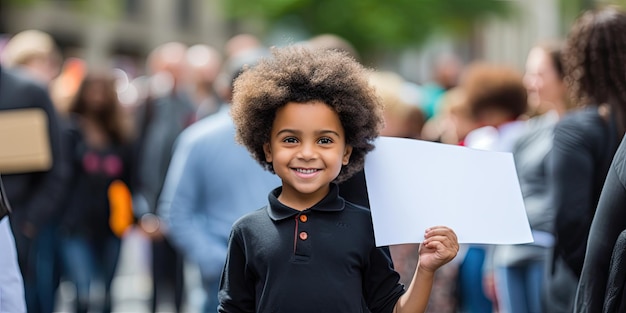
{"x":237,"y":284}
{"x":182,"y":206}
{"x":381,"y":287}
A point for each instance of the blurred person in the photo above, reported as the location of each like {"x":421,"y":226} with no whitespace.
{"x":601,"y":285}
{"x":35,"y":55}
{"x":497,"y":98}
{"x":401,"y":118}
{"x":585,"y":141}
{"x":520,"y":270}
{"x":35,"y":195}
{"x":101,"y":154}
{"x":11,"y":284}
{"x":241,"y":43}
{"x":204,"y":62}
{"x":34,"y":52}
{"x":445,"y":75}
{"x":167,"y":110}
{"x":62,"y":90}
{"x":455,"y":121}
{"x":64,"y":87}
{"x":238,"y":47}
{"x":211,"y":182}
{"x":333,"y":42}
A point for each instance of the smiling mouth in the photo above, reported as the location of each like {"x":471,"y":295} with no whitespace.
{"x":306,"y":170}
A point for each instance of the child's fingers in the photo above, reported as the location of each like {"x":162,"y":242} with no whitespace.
{"x":440,"y":239}
{"x":445,"y":252}
{"x":442,"y":231}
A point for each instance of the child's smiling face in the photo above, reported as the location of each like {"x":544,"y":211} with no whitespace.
{"x":307,"y":149}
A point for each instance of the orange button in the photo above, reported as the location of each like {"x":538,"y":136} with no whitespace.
{"x":304,"y":235}
{"x":303,"y":218}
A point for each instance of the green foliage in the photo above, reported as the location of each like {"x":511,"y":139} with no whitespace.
{"x":371,"y":24}
{"x":571,"y":9}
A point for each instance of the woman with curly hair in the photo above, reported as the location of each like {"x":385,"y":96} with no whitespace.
{"x":310,"y":117}
{"x":600,"y":287}
{"x":594,"y":60}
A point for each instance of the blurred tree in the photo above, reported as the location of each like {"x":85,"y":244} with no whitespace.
{"x":371,"y":24}
{"x":571,"y":9}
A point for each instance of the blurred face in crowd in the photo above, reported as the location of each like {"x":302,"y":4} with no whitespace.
{"x":99,"y":94}
{"x":545,"y":88}
{"x":44,"y":68}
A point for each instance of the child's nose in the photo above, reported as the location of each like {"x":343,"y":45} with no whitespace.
{"x":307,"y":151}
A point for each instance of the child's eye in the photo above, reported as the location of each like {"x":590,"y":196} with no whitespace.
{"x":325,"y":140}
{"x":290,"y":140}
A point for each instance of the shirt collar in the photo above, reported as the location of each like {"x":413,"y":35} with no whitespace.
{"x":278,"y":211}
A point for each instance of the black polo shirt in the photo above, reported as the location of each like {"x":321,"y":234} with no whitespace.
{"x":322,"y":259}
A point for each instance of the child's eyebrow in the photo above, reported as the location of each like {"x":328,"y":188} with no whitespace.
{"x":325,"y":132}
{"x":317,"y":133}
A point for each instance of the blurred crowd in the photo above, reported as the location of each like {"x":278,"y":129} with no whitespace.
{"x":157,"y":153}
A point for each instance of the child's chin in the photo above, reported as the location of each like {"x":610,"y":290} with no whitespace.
{"x":310,"y":188}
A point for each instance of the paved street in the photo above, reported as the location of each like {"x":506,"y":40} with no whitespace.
{"x":132,"y":284}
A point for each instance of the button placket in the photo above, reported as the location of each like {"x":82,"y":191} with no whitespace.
{"x":302,"y":236}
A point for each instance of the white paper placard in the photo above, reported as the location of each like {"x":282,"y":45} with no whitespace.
{"x":414,"y":184}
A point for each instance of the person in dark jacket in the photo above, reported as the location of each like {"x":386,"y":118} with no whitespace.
{"x":608,"y":224}
{"x":101,"y":156}
{"x":34,"y":195}
{"x":585,"y":141}
{"x":166,"y":112}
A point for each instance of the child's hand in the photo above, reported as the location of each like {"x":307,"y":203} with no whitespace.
{"x":440,"y":246}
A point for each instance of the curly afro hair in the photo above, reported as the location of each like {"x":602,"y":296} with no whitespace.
{"x":594,"y":60}
{"x":299,"y":74}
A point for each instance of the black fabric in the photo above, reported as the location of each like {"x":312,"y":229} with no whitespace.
{"x":335,"y":267}
{"x":5,"y":208}
{"x":609,"y":223}
{"x":354,"y":189}
{"x":92,"y":170}
{"x":613,"y":302}
{"x":584,"y":145}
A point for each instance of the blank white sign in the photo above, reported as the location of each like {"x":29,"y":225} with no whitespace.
{"x":414,"y":184}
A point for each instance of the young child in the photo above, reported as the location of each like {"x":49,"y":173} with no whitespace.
{"x":310,"y":116}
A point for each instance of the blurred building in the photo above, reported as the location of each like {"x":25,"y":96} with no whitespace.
{"x":120,"y":30}
{"x":99,"y":29}
{"x":497,"y":39}
{"x":508,"y":41}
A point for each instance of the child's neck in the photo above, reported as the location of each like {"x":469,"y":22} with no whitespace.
{"x":301,"y":201}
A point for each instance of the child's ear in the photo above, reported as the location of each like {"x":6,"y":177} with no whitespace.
{"x":268,"y":152}
{"x":346,"y":155}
